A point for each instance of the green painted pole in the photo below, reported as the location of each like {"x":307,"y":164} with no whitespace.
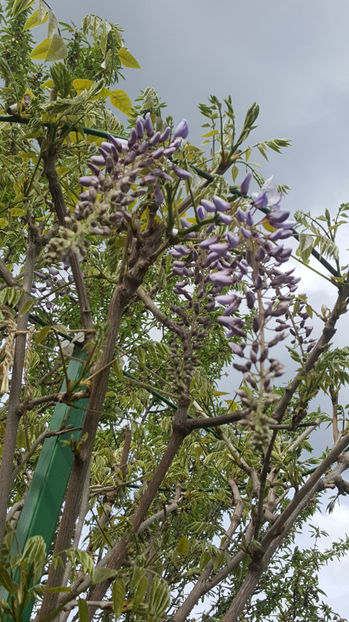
{"x":46,"y":493}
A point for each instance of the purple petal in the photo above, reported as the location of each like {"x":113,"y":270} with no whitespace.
{"x":245,"y":184}
{"x":148,"y":125}
{"x":180,"y":172}
{"x":90,"y":180}
{"x":225,"y":218}
{"x":181,"y":130}
{"x":201,"y":213}
{"x":209,"y":241}
{"x":233,"y":239}
{"x":208,"y":205}
{"x":221,"y":205}
{"x":261,"y":201}
{"x":158,"y":195}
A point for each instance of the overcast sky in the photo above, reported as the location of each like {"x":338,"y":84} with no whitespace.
{"x":292,"y":58}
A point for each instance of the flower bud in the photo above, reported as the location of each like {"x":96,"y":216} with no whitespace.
{"x":220,"y":204}
{"x":165,"y":135}
{"x":181,"y":130}
{"x":148,"y":125}
{"x":181,"y":173}
{"x":245,"y":184}
{"x":225,"y":218}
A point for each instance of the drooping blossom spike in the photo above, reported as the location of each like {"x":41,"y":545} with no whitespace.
{"x":180,"y":172}
{"x":148,"y":125}
{"x":181,"y":130}
{"x":221,"y":205}
{"x":245,"y":184}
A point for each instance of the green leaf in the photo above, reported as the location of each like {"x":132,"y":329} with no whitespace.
{"x":121,"y":100}
{"x":83,"y":610}
{"x":3,"y":223}
{"x":101,"y":574}
{"x":159,"y":598}
{"x":118,"y":596}
{"x":183,"y":546}
{"x":40,"y":336}
{"x":127,"y":59}
{"x":19,"y":6}
{"x":26,"y":307}
{"x":140,"y":592}
{"x":34,"y":20}
{"x":6,"y":581}
{"x":234,"y":172}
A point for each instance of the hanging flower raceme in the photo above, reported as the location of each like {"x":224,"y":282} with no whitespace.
{"x":123,"y":171}
{"x":241,"y":261}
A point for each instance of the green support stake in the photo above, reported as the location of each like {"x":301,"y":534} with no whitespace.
{"x":46,"y":493}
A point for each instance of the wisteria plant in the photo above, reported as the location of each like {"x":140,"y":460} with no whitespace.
{"x":128,"y":258}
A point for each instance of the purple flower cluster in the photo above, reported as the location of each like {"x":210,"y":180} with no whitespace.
{"x":241,"y":261}
{"x":123,"y":171}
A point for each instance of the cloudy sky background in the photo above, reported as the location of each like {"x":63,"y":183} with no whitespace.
{"x":292,"y":58}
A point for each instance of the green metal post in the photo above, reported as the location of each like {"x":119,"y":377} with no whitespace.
{"x":45,"y":496}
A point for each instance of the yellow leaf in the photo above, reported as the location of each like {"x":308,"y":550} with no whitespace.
{"x":49,"y":84}
{"x":3,"y":223}
{"x":82,"y":85}
{"x":40,"y":51}
{"x":17,"y":211}
{"x":211,"y":133}
{"x":266,"y":224}
{"x":102,"y":94}
{"x":33,"y":20}
{"x":127,"y":59}
{"x":218,"y":393}
{"x":121,"y":100}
